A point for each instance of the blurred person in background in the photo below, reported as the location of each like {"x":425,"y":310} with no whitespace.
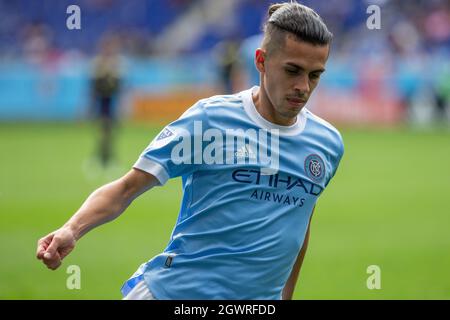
{"x":442,"y":94}
{"x":105,"y":86}
{"x":36,"y":40}
{"x":244,"y":232}
{"x":226,"y":53}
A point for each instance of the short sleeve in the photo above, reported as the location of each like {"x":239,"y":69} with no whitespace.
{"x":336,"y":158}
{"x":172,"y":152}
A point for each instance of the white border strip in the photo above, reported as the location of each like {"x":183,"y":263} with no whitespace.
{"x":153,"y":168}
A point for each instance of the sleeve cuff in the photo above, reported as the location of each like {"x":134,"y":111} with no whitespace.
{"x":153,"y":168}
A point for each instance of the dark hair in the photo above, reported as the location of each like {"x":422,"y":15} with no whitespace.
{"x":296,"y":19}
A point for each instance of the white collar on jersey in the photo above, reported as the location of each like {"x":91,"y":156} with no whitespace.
{"x":259,"y":120}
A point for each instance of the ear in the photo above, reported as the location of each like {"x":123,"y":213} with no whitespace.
{"x":260,"y":59}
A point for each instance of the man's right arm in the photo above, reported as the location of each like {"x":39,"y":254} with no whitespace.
{"x":103,"y":205}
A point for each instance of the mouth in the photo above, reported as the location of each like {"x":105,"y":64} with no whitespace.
{"x":297,"y":102}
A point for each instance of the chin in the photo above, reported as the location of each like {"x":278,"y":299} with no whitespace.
{"x":290,"y":114}
{"x":293,"y":110}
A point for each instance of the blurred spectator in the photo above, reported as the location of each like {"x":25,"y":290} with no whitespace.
{"x":105,"y":90}
{"x":227,"y":55}
{"x":413,"y":40}
{"x":37,"y":44}
{"x":443,"y":93}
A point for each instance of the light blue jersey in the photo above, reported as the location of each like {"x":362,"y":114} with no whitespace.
{"x":247,"y":201}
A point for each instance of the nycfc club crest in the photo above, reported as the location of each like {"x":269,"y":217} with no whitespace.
{"x":315,"y":167}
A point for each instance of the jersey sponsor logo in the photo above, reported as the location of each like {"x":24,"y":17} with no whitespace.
{"x":283,"y":199}
{"x":289,"y":190}
{"x":315,"y":167}
{"x":277,"y":181}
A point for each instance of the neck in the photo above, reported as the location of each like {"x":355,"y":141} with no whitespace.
{"x":267,"y":110}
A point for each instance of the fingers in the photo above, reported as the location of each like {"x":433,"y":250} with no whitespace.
{"x":47,"y":251}
{"x":52,"y":261}
{"x":42,"y":246}
{"x":40,"y":252}
{"x":53,"y":248}
{"x":51,"y":256}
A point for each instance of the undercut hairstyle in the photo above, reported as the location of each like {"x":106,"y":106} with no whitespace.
{"x":292,"y":18}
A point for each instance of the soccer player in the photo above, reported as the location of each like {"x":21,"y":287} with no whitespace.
{"x":243,"y":227}
{"x":105,"y":91}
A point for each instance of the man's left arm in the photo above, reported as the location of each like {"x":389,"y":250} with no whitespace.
{"x":289,"y":287}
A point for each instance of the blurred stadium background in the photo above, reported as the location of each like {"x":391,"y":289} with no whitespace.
{"x":387,"y":90}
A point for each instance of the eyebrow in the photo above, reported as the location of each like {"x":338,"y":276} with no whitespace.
{"x":301,"y":68}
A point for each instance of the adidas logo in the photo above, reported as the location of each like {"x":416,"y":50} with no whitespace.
{"x":245,"y":152}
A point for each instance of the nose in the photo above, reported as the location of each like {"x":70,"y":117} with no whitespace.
{"x":302,"y":85}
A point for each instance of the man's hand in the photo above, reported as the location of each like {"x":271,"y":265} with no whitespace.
{"x":103,"y":205}
{"x":53,"y":248}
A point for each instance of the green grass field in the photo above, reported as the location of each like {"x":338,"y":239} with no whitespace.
{"x":389,"y":205}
